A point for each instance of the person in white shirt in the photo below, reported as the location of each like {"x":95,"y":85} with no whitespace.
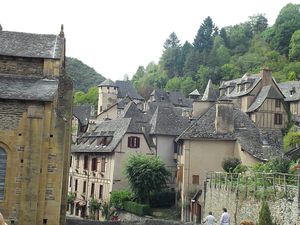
{"x":2,"y":222}
{"x":225,"y":218}
{"x":210,"y":219}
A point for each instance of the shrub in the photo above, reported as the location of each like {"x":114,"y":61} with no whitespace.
{"x":291,"y":140}
{"x":280,"y":165}
{"x":264,"y":217}
{"x":162,"y":199}
{"x":118,"y":198}
{"x":230,"y":164}
{"x":240,"y":169}
{"x":136,"y":208}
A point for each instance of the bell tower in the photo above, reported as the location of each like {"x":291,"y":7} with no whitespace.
{"x":108,"y":92}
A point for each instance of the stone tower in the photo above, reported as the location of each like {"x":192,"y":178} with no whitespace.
{"x":35,"y":128}
{"x":108,"y":92}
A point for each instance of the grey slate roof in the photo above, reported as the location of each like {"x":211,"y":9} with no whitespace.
{"x":178,"y":99}
{"x":266,"y":92}
{"x":293,"y":154}
{"x":174,"y":97}
{"x":125,"y":88}
{"x":107,"y":83}
{"x":291,"y":90}
{"x":139,"y":121}
{"x":31,"y":45}
{"x":82,"y":113}
{"x":27,"y":88}
{"x":165,"y":121}
{"x":110,"y":128}
{"x":252,"y":79}
{"x":245,"y":132}
{"x":209,"y":93}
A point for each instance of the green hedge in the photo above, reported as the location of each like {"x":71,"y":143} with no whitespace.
{"x":136,"y":208}
{"x":162,"y":199}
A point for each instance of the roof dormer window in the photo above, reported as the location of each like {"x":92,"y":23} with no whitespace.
{"x":292,"y":91}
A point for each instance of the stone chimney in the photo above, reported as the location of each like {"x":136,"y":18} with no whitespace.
{"x":266,"y":76}
{"x":200,"y":107}
{"x":208,"y":99}
{"x":224,"y":117}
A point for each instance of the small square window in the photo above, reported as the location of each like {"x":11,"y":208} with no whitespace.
{"x":133,"y":142}
{"x":195,"y":179}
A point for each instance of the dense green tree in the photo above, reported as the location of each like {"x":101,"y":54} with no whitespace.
{"x":287,"y":22}
{"x":82,"y":75}
{"x":294,"y":52}
{"x":219,"y":54}
{"x":139,"y":74}
{"x":264,"y":217}
{"x":192,"y":63}
{"x":203,"y":75}
{"x":223,"y":35}
{"x":94,"y":207}
{"x":230,"y":71}
{"x":170,"y":62}
{"x":258,"y":23}
{"x":225,"y":54}
{"x":91,"y":97}
{"x":174,"y":84}
{"x":203,"y":41}
{"x":146,"y":175}
{"x":187,"y":85}
{"x":239,"y":37}
{"x":184,"y":52}
{"x":291,"y":140}
{"x":172,"y":41}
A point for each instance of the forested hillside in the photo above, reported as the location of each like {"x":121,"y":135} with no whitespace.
{"x":83,"y":76}
{"x":226,"y":53}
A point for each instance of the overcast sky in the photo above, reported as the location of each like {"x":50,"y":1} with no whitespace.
{"x":116,"y":36}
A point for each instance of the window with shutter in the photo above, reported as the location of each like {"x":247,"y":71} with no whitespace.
{"x":102,"y":164}
{"x":277,"y":119}
{"x":85,"y":163}
{"x":133,"y":142}
{"x":94,"y":164}
{"x":3,"y":160}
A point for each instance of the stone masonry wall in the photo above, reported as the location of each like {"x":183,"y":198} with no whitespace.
{"x":21,"y":66}
{"x":283,"y":202}
{"x":10,"y":114}
{"x":140,"y":222}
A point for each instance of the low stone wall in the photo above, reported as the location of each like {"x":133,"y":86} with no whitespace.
{"x":245,"y":205}
{"x":141,"y":222}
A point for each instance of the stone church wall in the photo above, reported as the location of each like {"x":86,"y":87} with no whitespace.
{"x":21,"y":66}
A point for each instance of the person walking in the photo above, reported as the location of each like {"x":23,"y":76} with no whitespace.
{"x":225,"y":218}
{"x":210,"y":219}
{"x":2,"y":222}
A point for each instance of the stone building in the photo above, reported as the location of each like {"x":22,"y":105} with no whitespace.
{"x":98,"y":158}
{"x":220,"y":130}
{"x":166,"y":125}
{"x":35,"y":123}
{"x":260,"y":97}
{"x":114,"y":96}
{"x":291,"y":91}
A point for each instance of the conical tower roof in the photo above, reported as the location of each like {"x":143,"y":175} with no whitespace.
{"x":194,"y":93}
{"x":107,"y":83}
{"x":209,"y":94}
